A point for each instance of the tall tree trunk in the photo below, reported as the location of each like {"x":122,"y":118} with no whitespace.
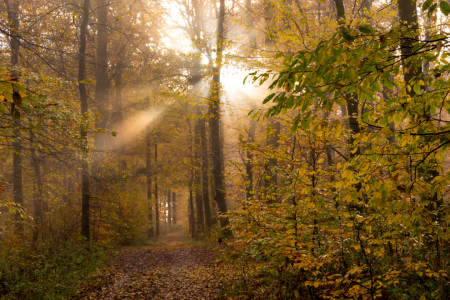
{"x":169,"y":206}
{"x":191,"y":207}
{"x":164,"y":212}
{"x":197,"y":175}
{"x":352,"y":102}
{"x":252,"y":123}
{"x":273,"y":142}
{"x":101,"y":76}
{"x":118,"y":105}
{"x":174,"y":208}
{"x":407,"y":12}
{"x":38,"y":188}
{"x":273,"y":138}
{"x":13,"y":18}
{"x":191,"y":184}
{"x":249,"y":163}
{"x":366,"y":7}
{"x":204,"y":172}
{"x":250,"y":24}
{"x":148,"y":155}
{"x":85,"y":196}
{"x":214,"y":123}
{"x":156,"y":192}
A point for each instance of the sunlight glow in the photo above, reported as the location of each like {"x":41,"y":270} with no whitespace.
{"x":135,"y":125}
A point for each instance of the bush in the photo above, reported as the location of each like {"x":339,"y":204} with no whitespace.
{"x":52,"y":271}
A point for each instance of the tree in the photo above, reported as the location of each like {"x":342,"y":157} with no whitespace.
{"x":85,"y":195}
{"x":214,"y":122}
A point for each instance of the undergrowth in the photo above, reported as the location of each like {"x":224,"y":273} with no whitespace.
{"x":49,"y":271}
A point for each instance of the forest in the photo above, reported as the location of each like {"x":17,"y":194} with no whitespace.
{"x":224,"y":149}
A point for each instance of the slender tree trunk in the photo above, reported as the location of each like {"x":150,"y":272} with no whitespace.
{"x":273,"y":138}
{"x":38,"y":187}
{"x":191,"y":185}
{"x":249,"y":163}
{"x":366,"y":7}
{"x":352,"y":102}
{"x":156,"y":193}
{"x":118,"y":106}
{"x":164,"y":213}
{"x":273,"y":141}
{"x":250,"y":24}
{"x":204,"y":173}
{"x":85,"y":196}
{"x":407,"y":12}
{"x":252,"y":123}
{"x":148,"y":151}
{"x":191,"y":207}
{"x":169,"y":206}
{"x":174,"y":208}
{"x":101,"y":88}
{"x":13,"y":18}
{"x":197,"y":176}
{"x":214,"y":123}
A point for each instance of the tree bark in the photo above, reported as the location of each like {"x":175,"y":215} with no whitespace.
{"x":352,"y":102}
{"x":156,"y":192}
{"x":272,"y":139}
{"x":85,"y":196}
{"x":101,"y":87}
{"x":191,"y":207}
{"x":191,"y":185}
{"x":169,"y":206}
{"x":273,"y":142}
{"x":174,"y":208}
{"x":13,"y":18}
{"x":407,"y":12}
{"x":252,"y":123}
{"x":118,"y":104}
{"x":366,"y":7}
{"x":204,"y":172}
{"x":38,"y":188}
{"x":149,"y":185}
{"x":197,"y":175}
{"x":214,"y":109}
{"x":250,"y":24}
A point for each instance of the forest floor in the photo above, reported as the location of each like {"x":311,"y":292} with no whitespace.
{"x":172,"y":268}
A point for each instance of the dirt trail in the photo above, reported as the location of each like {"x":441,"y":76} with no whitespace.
{"x":171,"y":269}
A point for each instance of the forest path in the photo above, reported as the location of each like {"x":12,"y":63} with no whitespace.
{"x":172,"y":268}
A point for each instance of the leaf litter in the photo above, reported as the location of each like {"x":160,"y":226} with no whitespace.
{"x":173,"y":268}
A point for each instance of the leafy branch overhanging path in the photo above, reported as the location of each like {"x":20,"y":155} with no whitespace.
{"x":172,"y":268}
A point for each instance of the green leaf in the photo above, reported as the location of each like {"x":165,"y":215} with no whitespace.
{"x":432,"y":109}
{"x":278,"y":55}
{"x":290,"y":102}
{"x":347,"y":36}
{"x":426,"y":5}
{"x":268,"y":98}
{"x":19,"y":87}
{"x":431,"y":10}
{"x":305,"y":122}
{"x":416,"y":88}
{"x":445,"y":7}
{"x":365,"y":29}
{"x":3,"y":109}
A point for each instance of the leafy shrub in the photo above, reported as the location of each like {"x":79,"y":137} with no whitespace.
{"x":52,"y":271}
